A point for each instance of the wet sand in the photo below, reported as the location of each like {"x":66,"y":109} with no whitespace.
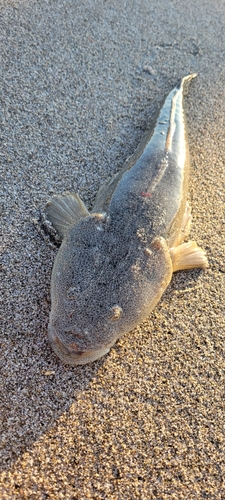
{"x":79,"y":84}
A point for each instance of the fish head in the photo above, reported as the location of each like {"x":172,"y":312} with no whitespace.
{"x":101,"y":289}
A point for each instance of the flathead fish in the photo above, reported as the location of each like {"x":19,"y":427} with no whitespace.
{"x":115,"y":262}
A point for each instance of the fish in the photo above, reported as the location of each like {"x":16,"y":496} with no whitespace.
{"x":115,"y":261}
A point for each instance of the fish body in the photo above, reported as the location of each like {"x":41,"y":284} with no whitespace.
{"x":115,"y":262}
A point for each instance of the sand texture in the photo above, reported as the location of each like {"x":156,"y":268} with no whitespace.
{"x":79,"y":82}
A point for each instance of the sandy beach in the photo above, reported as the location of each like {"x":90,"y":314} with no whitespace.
{"x":79,"y":84}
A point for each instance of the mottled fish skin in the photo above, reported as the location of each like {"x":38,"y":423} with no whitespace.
{"x":115,"y":263}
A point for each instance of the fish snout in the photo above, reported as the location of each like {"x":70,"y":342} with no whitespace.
{"x":70,"y":353}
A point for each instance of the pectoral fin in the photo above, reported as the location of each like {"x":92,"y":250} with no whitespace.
{"x":64,"y":211}
{"x":188,"y":256}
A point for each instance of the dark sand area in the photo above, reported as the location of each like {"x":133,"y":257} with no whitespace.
{"x":79,"y":82}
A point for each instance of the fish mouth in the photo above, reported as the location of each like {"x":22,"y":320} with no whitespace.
{"x":69,"y":354}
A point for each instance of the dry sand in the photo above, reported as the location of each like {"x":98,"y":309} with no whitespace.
{"x":79,"y":84}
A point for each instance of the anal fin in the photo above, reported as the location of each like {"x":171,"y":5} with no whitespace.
{"x":65,"y":210}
